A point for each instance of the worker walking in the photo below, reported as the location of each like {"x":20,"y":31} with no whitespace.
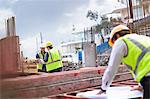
{"x":41,"y":66}
{"x":134,"y":51}
{"x":53,"y":59}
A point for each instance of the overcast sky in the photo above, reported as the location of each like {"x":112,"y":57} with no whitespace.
{"x":53,"y":18}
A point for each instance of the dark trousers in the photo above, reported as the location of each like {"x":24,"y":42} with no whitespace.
{"x":43,"y":69}
{"x":55,"y":70}
{"x":145,"y":82}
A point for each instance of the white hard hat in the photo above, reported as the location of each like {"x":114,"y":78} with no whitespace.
{"x":42,"y":45}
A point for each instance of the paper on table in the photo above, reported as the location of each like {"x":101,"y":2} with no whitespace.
{"x":123,"y":92}
{"x":92,"y":95}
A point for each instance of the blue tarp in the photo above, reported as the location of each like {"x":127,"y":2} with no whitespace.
{"x":80,"y":55}
{"x":102,"y":47}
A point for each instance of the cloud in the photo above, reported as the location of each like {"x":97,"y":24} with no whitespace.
{"x":68,"y":14}
{"x":78,"y":16}
{"x":30,"y":46}
{"x":76,"y":19}
{"x":13,"y":1}
{"x":101,"y":6}
{"x":64,"y":28}
{"x":4,"y":14}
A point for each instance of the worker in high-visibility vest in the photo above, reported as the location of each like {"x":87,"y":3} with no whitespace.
{"x":134,"y":51}
{"x":41,"y":66}
{"x":53,"y":59}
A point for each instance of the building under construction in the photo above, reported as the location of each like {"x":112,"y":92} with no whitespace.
{"x":17,"y":83}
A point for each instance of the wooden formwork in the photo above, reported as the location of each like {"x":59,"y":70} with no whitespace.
{"x":9,"y":55}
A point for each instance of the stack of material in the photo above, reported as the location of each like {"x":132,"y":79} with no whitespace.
{"x":102,"y":60}
{"x":70,"y":67}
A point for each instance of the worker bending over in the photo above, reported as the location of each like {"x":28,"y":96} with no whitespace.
{"x":53,"y":59}
{"x":134,"y":51}
{"x":41,"y":66}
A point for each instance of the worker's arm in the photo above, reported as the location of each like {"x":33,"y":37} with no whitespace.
{"x":37,"y":56}
{"x":46,"y":57}
{"x":118,"y":51}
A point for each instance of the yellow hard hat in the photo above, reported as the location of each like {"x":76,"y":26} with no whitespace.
{"x":114,"y":31}
{"x":49,"y":44}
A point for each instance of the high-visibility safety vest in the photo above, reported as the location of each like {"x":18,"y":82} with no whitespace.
{"x":54,"y":60}
{"x":138,"y":56}
{"x":39,"y":66}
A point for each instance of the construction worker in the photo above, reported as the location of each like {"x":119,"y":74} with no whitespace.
{"x":41,"y":66}
{"x":53,"y":59}
{"x":134,"y":51}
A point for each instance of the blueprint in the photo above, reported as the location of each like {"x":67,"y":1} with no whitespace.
{"x":123,"y":92}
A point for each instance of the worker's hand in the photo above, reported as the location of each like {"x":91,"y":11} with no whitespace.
{"x":41,"y":61}
{"x":36,"y":61}
{"x":101,"y":91}
{"x":139,"y":88}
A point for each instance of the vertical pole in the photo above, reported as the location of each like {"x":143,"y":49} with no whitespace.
{"x":36,"y":44}
{"x":13,"y":26}
{"x":131,"y":10}
{"x":143,"y":9}
{"x":131,"y":16}
{"x":8,"y":32}
{"x":127,"y":8}
{"x":92,"y":35}
{"x":84,"y":34}
{"x":82,"y":44}
{"x":22,"y":60}
{"x":6,"y":28}
{"x":41,"y":37}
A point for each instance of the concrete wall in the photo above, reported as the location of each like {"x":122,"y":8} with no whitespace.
{"x":89,"y":54}
{"x":9,"y":54}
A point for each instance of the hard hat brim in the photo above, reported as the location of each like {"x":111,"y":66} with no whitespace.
{"x":110,"y":42}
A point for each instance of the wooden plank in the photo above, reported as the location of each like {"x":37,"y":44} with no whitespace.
{"x":56,"y":83}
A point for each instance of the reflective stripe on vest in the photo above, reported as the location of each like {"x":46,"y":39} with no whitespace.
{"x":54,"y":61}
{"x":144,"y":51}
